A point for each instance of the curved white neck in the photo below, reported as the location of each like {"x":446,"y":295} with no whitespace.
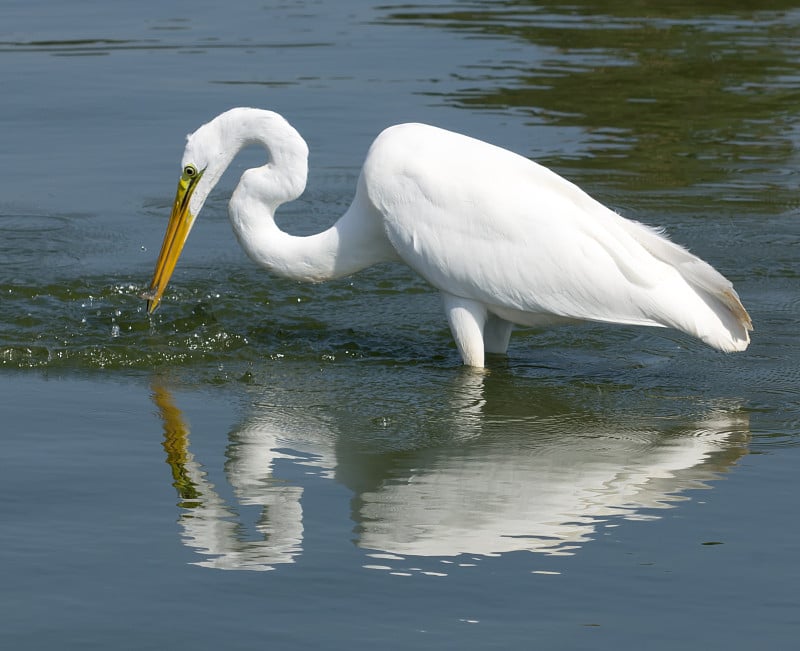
{"x":355,"y":241}
{"x":312,"y":258}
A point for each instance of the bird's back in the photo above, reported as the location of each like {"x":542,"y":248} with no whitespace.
{"x":483,"y":223}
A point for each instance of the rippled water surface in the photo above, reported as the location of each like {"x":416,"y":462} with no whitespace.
{"x":601,"y":487}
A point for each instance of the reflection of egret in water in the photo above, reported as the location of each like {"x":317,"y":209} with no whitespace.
{"x":505,"y":493}
{"x":209,"y":524}
{"x":494,"y":476}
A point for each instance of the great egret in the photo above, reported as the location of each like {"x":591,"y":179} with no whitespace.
{"x":505,"y":240}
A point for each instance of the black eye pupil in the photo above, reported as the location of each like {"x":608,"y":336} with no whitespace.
{"x":189,"y":171}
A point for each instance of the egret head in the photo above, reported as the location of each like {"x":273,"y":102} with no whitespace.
{"x":209,"y":151}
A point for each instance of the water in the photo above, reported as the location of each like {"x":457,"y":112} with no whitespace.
{"x":612,"y":487}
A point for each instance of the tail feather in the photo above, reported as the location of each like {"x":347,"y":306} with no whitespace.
{"x":727,"y":327}
{"x":729,"y":332}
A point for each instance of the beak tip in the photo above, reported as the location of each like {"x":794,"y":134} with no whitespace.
{"x":153,"y":299}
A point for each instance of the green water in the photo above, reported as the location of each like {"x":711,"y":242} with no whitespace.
{"x":608,"y":486}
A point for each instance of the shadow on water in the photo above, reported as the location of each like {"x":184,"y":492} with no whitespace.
{"x":490,"y":471}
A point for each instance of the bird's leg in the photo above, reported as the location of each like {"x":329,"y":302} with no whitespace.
{"x":467,"y":320}
{"x":496,"y":334}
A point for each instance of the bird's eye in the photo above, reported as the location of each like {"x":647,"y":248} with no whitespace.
{"x":190,"y":171}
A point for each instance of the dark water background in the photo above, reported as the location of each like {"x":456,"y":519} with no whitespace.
{"x":603,"y":487}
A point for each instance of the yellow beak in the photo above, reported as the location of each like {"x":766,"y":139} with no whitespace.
{"x":180,"y":223}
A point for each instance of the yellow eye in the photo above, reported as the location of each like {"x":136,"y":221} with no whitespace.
{"x":190,"y":171}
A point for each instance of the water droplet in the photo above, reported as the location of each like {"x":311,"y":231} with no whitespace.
{"x":115,"y":330}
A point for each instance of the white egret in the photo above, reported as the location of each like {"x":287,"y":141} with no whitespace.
{"x":505,"y":240}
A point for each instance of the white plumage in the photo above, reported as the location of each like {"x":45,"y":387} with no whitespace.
{"x":505,"y":240}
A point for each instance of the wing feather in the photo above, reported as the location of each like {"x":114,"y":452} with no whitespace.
{"x":483,"y":223}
